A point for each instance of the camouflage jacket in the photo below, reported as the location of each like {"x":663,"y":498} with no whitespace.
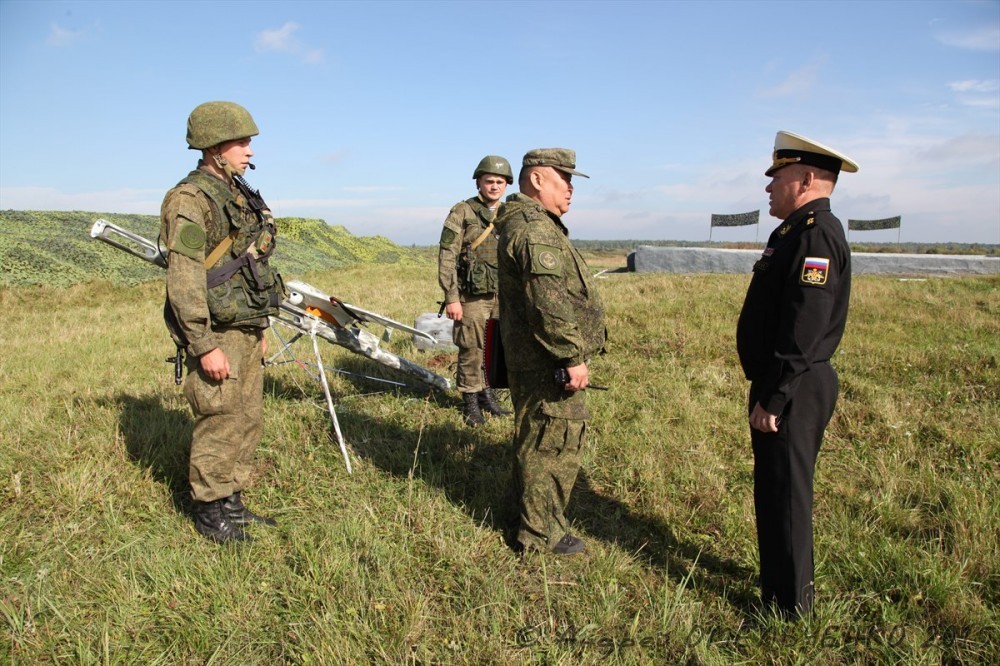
{"x":194,"y":307}
{"x":552,"y":314}
{"x":466,"y":221}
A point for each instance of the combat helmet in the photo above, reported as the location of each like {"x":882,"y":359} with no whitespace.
{"x":212,"y":123}
{"x":494,"y":164}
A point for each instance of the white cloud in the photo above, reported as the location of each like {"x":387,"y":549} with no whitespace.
{"x":374,"y":189}
{"x":283,"y":40}
{"x":317,"y":204}
{"x":979,"y":38}
{"x":981,"y":102}
{"x":968,"y":148}
{"x":60,"y":36}
{"x":976,"y":86}
{"x":797,"y":82}
{"x":984,"y":94}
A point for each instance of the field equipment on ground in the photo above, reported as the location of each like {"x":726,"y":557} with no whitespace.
{"x":306,"y":311}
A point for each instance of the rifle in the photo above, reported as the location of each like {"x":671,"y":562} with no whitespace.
{"x":341,"y":326}
{"x":307,"y":311}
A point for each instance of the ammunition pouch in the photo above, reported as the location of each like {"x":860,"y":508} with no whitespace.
{"x":478,"y":276}
{"x":247,"y":287}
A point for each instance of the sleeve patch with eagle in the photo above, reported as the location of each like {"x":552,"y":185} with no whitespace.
{"x":815,"y":271}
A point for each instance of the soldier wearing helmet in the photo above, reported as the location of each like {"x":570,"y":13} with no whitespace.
{"x":221,"y":289}
{"x":467,"y":272}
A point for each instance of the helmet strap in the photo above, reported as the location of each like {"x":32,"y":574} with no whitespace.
{"x":224,"y":165}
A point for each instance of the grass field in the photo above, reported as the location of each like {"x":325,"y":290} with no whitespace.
{"x":404,"y":562}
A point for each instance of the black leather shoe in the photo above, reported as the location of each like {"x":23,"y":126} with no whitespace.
{"x":569,"y":545}
{"x":473,"y":416}
{"x":211,"y":522}
{"x":236,"y":512}
{"x":488,"y":403}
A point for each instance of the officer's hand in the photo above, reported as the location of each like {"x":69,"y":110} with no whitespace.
{"x":214,"y":364}
{"x":762,"y":420}
{"x":579,"y":377}
{"x":454,"y":311}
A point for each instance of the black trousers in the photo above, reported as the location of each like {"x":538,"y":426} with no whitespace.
{"x":784,"y":464}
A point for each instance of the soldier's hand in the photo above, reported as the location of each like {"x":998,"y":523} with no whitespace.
{"x":454,"y":311}
{"x":762,"y":420}
{"x":214,"y":364}
{"x":579,"y":377}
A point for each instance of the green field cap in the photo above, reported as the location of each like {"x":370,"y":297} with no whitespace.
{"x":563,"y":159}
{"x":794,"y":149}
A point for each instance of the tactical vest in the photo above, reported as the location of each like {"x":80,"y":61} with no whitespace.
{"x":479,"y":265}
{"x":242,"y":285}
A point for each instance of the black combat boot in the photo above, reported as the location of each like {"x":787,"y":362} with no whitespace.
{"x":212,"y":523}
{"x":488,"y":403}
{"x":236,"y":512}
{"x":473,"y":417}
{"x":569,"y":545}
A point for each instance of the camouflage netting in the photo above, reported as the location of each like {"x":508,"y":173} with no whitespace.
{"x":55,"y":248}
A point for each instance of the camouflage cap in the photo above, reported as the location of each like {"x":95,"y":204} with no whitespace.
{"x":563,"y":159}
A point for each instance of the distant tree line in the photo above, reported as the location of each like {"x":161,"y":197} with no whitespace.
{"x":988,"y":249}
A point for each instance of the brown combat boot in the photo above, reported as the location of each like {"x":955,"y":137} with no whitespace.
{"x":473,"y":417}
{"x":488,"y":403}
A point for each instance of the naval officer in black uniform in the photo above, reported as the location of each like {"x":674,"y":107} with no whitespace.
{"x":791,"y":323}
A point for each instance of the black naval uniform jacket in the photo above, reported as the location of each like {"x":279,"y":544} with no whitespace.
{"x":796,"y":306}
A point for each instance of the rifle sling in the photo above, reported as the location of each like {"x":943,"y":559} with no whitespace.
{"x":479,"y":241}
{"x":220,"y":250}
{"x":223,"y":273}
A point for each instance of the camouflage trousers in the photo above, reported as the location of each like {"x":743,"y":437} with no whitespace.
{"x":550,"y":432}
{"x":469,"y":336}
{"x":228,"y":417}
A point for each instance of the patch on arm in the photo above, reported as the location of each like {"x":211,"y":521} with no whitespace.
{"x":545,"y":259}
{"x":815,"y":271}
{"x":189,"y":240}
{"x":447,"y":237}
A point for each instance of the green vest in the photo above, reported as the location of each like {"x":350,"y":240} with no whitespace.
{"x":478,"y":266}
{"x":243,"y":287}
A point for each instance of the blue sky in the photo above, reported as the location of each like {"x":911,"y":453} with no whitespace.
{"x":373,"y":115}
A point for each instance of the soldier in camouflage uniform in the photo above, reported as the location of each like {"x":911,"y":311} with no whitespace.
{"x":467,"y":273}
{"x":553,"y":316}
{"x":220,"y":291}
